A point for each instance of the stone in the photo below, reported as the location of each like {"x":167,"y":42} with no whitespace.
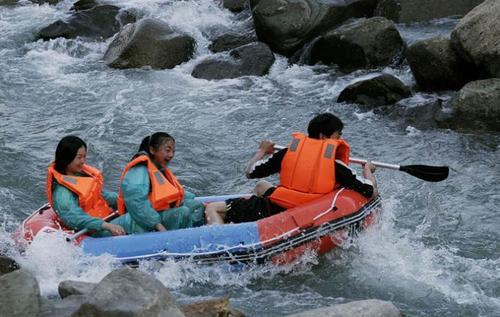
{"x":362,"y":308}
{"x":100,"y":22}
{"x":68,"y":288}
{"x":149,"y":42}
{"x":377,"y":91}
{"x":437,"y":66}
{"x":129,"y":292}
{"x":228,"y":42}
{"x":254,"y":59}
{"x":234,"y":5}
{"x":477,"y":39}
{"x":84,"y":5}
{"x":7,"y":265}
{"x":360,"y":43}
{"x":407,"y":11}
{"x":8,"y":2}
{"x":285,"y":25}
{"x":219,"y":307}
{"x":63,"y":308}
{"x":20,"y":294}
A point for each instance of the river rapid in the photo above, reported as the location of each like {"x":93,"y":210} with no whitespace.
{"x":435,"y":250}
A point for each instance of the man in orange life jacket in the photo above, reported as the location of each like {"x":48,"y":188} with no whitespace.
{"x":310,"y":167}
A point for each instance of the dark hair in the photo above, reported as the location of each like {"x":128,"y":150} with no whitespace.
{"x":66,"y":151}
{"x":325,"y":123}
{"x":155,"y":140}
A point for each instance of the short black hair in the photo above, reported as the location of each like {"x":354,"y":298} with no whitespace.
{"x":324,"y":123}
{"x":66,"y":151}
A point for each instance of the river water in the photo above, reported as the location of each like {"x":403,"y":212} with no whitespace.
{"x":434,"y":252}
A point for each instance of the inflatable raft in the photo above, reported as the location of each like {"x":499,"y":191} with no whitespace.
{"x":317,"y":226}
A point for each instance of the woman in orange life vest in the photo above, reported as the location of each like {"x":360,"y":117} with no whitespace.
{"x":150,"y":193}
{"x":74,"y":189}
{"x":312,"y":166}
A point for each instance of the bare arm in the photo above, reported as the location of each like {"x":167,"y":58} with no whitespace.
{"x":368,"y":170}
{"x":265,"y":148}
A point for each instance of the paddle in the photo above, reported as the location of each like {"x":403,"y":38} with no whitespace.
{"x":84,"y":231}
{"x":424,"y":172}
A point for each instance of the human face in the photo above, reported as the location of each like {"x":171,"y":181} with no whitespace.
{"x":164,"y":153}
{"x":76,"y":166}
{"x":336,"y":135}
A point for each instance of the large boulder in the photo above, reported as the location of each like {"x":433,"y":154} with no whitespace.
{"x":129,"y":292}
{"x":234,"y":5}
{"x":69,"y":288}
{"x":285,"y":25}
{"x":7,"y":265}
{"x":406,"y":11}
{"x":100,"y":22}
{"x":230,"y":41}
{"x":437,"y":66}
{"x":477,"y":106}
{"x":81,"y":5}
{"x":209,"y":308}
{"x":359,"y":44}
{"x":8,"y":2}
{"x":46,"y":1}
{"x":62,"y":308}
{"x":149,"y":42}
{"x":254,"y":59}
{"x":20,"y":294}
{"x":377,"y":91}
{"x":362,"y":308}
{"x":477,"y":39}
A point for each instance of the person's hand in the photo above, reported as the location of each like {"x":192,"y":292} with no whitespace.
{"x":160,"y":227}
{"x":267,"y":147}
{"x":115,"y":230}
{"x":369,"y":167}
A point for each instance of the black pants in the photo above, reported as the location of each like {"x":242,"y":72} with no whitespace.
{"x":251,"y":209}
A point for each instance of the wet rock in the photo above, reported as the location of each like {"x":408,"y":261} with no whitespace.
{"x":285,"y":25}
{"x":46,"y":1}
{"x":65,"y":308}
{"x":423,"y":116}
{"x":210,"y":308}
{"x":362,"y":308}
{"x":20,"y":294}
{"x":234,"y":5}
{"x":129,"y":292}
{"x":405,"y":11}
{"x":7,"y":265}
{"x":228,"y":42}
{"x":100,"y":22}
{"x":359,"y":44}
{"x":476,"y":107}
{"x":437,"y":66}
{"x":149,"y":42}
{"x":476,"y":38}
{"x":68,"y":288}
{"x":84,"y":5}
{"x":8,"y":2}
{"x":380,"y":90}
{"x":253,"y":59}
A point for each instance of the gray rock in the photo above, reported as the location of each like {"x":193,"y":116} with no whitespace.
{"x":68,"y":288}
{"x":406,"y":11}
{"x":378,"y":91}
{"x":129,"y":292}
{"x":359,"y":44}
{"x":362,"y":308}
{"x":285,"y":25}
{"x":64,"y":308}
{"x":477,"y":39}
{"x":149,"y":42}
{"x":46,"y":1}
{"x":20,"y":294}
{"x":234,"y":5}
{"x":8,"y":2}
{"x":437,"y":66}
{"x":99,"y":22}
{"x":423,"y":116}
{"x":253,"y":59}
{"x":228,"y":42}
{"x":215,"y":307}
{"x":84,"y":5}
{"x":7,"y":265}
{"x":477,"y":106}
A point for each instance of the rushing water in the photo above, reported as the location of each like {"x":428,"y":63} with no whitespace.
{"x":435,"y":250}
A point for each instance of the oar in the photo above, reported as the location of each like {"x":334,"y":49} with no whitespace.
{"x":425,"y":172}
{"x":84,"y":231}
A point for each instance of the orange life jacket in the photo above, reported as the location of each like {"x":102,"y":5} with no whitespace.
{"x":87,"y":188}
{"x":308,"y":169}
{"x":166,"y":191}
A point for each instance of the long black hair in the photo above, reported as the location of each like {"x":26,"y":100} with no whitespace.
{"x":66,"y":151}
{"x":155,"y":141}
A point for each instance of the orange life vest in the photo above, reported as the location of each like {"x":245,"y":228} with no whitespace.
{"x":308,"y":169}
{"x":166,"y":191}
{"x":87,"y":188}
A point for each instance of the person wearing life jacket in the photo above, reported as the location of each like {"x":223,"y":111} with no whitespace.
{"x":312,"y":166}
{"x":74,"y":190}
{"x":150,"y":194}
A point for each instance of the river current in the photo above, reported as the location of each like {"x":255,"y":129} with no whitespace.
{"x":435,"y":250}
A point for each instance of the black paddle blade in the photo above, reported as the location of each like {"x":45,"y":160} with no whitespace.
{"x":426,"y":172}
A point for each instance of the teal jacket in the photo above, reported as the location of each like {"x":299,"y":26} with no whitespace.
{"x":68,"y":208}
{"x":135,"y":188}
